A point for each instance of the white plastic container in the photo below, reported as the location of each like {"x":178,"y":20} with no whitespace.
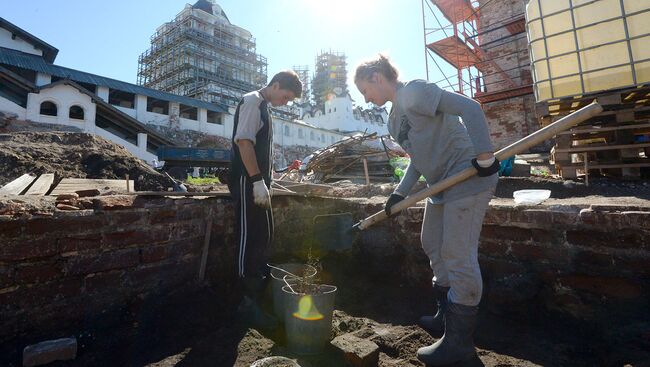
{"x":531,"y":197}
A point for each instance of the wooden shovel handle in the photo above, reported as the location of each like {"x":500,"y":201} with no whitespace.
{"x":520,"y":146}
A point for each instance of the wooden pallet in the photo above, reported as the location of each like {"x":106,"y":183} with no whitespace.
{"x":607,"y":143}
{"x":42,"y":185}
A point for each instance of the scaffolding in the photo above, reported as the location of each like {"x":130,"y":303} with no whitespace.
{"x":330,"y":77}
{"x":201,"y":55}
{"x":303,"y":75}
{"x":480,"y":51}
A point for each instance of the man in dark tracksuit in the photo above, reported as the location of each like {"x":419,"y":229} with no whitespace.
{"x":250,"y":182}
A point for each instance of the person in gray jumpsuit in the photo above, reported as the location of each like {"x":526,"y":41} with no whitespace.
{"x":444,"y":133}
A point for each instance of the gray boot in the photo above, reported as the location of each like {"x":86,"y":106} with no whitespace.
{"x":250,"y":308}
{"x":435,"y":325}
{"x":457,"y":344}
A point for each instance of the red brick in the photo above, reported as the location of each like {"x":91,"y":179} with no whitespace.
{"x":80,"y":243}
{"x":38,"y":273}
{"x":155,"y":253}
{"x":189,"y":212}
{"x":187,"y":230}
{"x":105,"y":282}
{"x":623,"y":239}
{"x":568,"y":218}
{"x":43,"y":293}
{"x":162,"y":216}
{"x":131,"y":217}
{"x":493,"y":248}
{"x":29,"y":249}
{"x":68,"y":225}
{"x":115,"y":259}
{"x":149,"y":236}
{"x":114,"y":202}
{"x":547,"y":236}
{"x":492,"y":268}
{"x":506,"y":233}
{"x":6,"y":276}
{"x":10,"y":229}
{"x":497,"y":215}
{"x":539,"y":217}
{"x":605,"y":286}
{"x":539,"y":254}
{"x":614,"y":220}
{"x":638,"y":219}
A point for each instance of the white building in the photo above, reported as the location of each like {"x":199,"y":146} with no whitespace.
{"x":34,"y":89}
{"x":340,"y":114}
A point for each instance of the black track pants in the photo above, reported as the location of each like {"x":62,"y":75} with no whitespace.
{"x":254,"y":230}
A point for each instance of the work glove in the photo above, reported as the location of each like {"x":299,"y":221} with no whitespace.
{"x":261,"y":194}
{"x":392,"y":200}
{"x":486,"y":167}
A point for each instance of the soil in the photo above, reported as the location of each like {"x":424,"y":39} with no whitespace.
{"x":199,"y":327}
{"x":73,"y":155}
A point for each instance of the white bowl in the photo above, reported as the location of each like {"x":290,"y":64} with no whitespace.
{"x":531,"y":197}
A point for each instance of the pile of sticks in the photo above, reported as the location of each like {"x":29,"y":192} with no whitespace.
{"x":356,"y":160}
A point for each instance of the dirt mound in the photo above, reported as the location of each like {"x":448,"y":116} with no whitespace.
{"x":73,"y":155}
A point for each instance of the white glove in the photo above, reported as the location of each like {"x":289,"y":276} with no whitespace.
{"x":261,"y":194}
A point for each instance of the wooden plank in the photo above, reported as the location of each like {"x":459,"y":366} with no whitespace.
{"x":274,"y":192}
{"x":586,"y":148}
{"x":593,"y":166}
{"x":603,"y":129}
{"x":70,"y":185}
{"x":42,"y":185}
{"x":18,"y":185}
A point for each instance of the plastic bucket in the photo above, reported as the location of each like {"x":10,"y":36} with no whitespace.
{"x":291,"y":271}
{"x":308,"y":317}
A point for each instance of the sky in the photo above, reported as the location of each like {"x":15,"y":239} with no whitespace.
{"x":106,"y":37}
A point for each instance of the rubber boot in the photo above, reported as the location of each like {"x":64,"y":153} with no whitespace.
{"x":435,"y":325}
{"x":457,"y":344}
{"x":250,"y":308}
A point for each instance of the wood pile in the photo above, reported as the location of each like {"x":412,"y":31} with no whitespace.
{"x":363,"y":158}
{"x":615,"y":143}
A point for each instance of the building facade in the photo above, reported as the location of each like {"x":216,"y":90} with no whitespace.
{"x":141,"y":119}
{"x":200,"y":54}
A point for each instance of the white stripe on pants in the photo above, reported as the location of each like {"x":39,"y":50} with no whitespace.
{"x":450,"y":234}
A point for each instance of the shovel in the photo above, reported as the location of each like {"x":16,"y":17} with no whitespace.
{"x":337,"y":231}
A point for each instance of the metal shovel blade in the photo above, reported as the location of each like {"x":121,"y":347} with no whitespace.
{"x":334,"y":231}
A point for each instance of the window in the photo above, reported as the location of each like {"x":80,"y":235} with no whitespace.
{"x":120,"y":98}
{"x":311,"y":135}
{"x":76,"y":112}
{"x":322,"y":137}
{"x":48,"y":108}
{"x":334,"y":109}
{"x":214,"y":118}
{"x":287,"y":132}
{"x":157,"y":106}
{"x":332,"y":139}
{"x":188,"y":112}
{"x":300,"y":134}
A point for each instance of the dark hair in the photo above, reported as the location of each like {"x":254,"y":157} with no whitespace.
{"x":288,"y":80}
{"x":379,"y":65}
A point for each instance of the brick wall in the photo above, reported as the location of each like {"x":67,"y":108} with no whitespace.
{"x":513,"y":118}
{"x":57,"y":272}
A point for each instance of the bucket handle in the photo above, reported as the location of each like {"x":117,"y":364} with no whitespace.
{"x":284,"y":278}
{"x":284,"y":271}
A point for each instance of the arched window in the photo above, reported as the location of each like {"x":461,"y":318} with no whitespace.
{"x":286,"y":131}
{"x":48,"y":108}
{"x":76,"y":112}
